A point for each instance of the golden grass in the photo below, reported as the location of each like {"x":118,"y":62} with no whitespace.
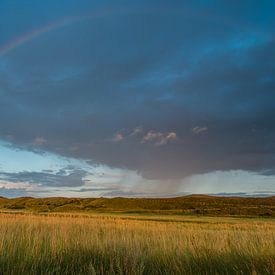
{"x":187,"y":205}
{"x":113,"y":244}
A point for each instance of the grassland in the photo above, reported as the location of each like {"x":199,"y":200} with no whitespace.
{"x":188,"y":205}
{"x":91,"y":243}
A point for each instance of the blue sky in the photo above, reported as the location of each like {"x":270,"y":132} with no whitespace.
{"x":140,"y":98}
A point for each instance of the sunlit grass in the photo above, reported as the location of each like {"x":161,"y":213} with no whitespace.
{"x":76,"y":244}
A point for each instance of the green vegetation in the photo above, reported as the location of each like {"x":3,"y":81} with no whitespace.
{"x":188,"y":205}
{"x":56,"y":243}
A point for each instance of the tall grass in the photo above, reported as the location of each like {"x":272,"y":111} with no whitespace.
{"x":32,"y":244}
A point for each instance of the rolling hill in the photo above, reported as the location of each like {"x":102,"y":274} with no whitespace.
{"x":186,"y":205}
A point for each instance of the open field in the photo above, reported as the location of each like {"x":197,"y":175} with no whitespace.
{"x":74,"y":243}
{"x":188,"y":205}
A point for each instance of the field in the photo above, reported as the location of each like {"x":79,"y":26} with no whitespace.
{"x":92,"y":243}
{"x":188,"y":205}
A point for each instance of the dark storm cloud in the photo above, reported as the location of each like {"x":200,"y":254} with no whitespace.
{"x":168,"y":68}
{"x":62,"y":178}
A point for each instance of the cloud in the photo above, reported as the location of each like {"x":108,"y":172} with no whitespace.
{"x":85,"y":190}
{"x":129,"y":194}
{"x":126,"y":135}
{"x":62,"y":178}
{"x":198,"y":129}
{"x":158,"y":138}
{"x":40,"y":141}
{"x":233,"y":181}
{"x":13,"y":192}
{"x":136,"y":131}
{"x":15,"y":185}
{"x":151,"y":136}
{"x":222,"y":76}
{"x":117,"y":137}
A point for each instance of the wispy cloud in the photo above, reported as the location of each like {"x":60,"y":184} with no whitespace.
{"x":158,"y":138}
{"x":136,"y":131}
{"x":39,"y":141}
{"x":198,"y":130}
{"x":124,"y":135}
{"x":117,"y":137}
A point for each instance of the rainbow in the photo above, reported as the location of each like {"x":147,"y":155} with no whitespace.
{"x":29,"y":36}
{"x":66,"y":21}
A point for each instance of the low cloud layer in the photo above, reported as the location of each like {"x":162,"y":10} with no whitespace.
{"x":63,"y":178}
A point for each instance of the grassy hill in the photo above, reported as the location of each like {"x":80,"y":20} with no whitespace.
{"x":187,"y":205}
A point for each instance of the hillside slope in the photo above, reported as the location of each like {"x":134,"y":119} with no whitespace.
{"x":191,"y":205}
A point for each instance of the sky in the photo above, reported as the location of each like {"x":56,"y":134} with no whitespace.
{"x":137,"y":98}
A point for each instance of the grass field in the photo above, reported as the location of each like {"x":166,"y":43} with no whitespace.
{"x":187,"y":205}
{"x":135,"y":244}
